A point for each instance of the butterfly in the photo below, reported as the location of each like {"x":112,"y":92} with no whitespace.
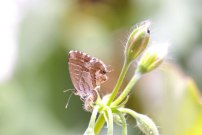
{"x":87,"y":74}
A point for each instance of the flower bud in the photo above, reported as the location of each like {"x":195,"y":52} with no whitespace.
{"x":146,"y":125}
{"x":152,"y":57}
{"x":137,"y":41}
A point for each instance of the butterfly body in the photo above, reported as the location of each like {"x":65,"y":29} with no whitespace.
{"x":87,"y":74}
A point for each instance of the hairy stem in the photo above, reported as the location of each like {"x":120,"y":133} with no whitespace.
{"x":124,"y":124}
{"x":127,"y":90}
{"x":90,"y":129}
{"x":128,"y":111}
{"x":100,"y":121}
{"x":93,"y":117}
{"x":119,"y":82}
{"x":99,"y":124}
{"x":110,"y":121}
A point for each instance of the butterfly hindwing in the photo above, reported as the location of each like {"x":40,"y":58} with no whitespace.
{"x":86,"y":73}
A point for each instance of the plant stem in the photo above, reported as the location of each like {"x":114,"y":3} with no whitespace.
{"x":93,"y":117}
{"x":90,"y":129}
{"x":110,"y":123}
{"x":99,"y":124}
{"x":145,"y":124}
{"x":128,"y":111}
{"x":100,"y":121}
{"x":124,"y":124}
{"x":119,"y":82}
{"x":127,"y":90}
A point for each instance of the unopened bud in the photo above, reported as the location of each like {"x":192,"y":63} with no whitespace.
{"x":137,"y":41}
{"x":146,"y":125}
{"x":152,"y":57}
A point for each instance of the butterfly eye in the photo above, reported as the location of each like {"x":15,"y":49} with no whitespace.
{"x":148,"y":31}
{"x":102,"y":72}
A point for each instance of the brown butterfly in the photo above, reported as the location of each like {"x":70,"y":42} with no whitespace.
{"x":87,"y":74}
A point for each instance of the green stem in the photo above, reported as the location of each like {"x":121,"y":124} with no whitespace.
{"x":128,"y":111}
{"x":90,"y":129}
{"x":119,"y":82}
{"x":100,"y":121}
{"x":110,"y":121}
{"x":127,"y":90}
{"x":145,"y":124}
{"x":99,"y":124}
{"x":124,"y":124}
{"x":93,"y":117}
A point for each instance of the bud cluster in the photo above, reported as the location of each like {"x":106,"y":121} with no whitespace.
{"x":111,"y":107}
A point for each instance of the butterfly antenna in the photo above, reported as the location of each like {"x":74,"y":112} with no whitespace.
{"x":68,"y":101}
{"x":68,"y":90}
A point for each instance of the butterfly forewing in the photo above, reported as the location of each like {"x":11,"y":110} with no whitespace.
{"x":87,"y":73}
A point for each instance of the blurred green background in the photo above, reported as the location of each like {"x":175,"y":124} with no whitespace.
{"x":36,"y":37}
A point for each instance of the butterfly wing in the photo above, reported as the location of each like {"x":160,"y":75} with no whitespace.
{"x":87,"y":73}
